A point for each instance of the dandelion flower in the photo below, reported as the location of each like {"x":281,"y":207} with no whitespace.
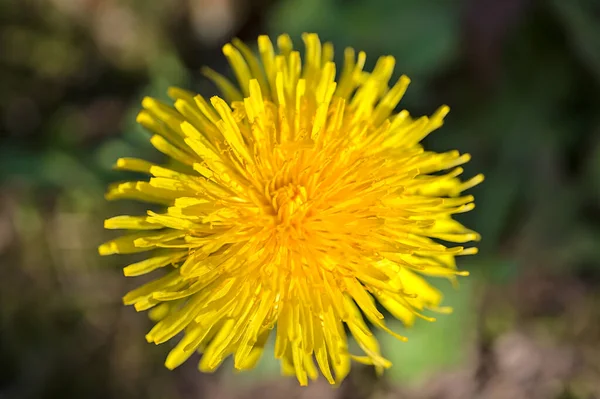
{"x":296,"y":206}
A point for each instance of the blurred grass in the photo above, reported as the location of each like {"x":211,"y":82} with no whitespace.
{"x":522,"y":79}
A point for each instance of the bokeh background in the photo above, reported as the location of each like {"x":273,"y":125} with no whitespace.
{"x":523,"y":80}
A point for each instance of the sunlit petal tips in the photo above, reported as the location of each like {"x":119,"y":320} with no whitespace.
{"x":297,"y":206}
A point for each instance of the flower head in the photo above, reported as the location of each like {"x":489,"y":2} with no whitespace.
{"x":296,"y":206}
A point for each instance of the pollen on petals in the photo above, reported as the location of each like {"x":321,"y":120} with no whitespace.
{"x":297,"y":207}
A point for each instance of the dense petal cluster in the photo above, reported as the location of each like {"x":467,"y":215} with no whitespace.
{"x":297,"y":206}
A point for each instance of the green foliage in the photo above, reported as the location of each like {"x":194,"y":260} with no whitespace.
{"x":433,"y":346}
{"x":422,"y":46}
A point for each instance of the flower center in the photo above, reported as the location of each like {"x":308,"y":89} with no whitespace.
{"x":290,"y":204}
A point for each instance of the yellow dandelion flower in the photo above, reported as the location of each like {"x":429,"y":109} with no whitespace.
{"x":297,"y":206}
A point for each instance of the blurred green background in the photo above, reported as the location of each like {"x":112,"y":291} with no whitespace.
{"x":523,"y":80}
